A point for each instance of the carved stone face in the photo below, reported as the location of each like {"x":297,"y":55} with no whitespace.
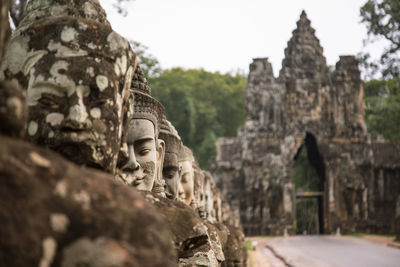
{"x":145,"y":155}
{"x":81,"y":122}
{"x":77,"y":76}
{"x":171,"y":175}
{"x":186,"y":182}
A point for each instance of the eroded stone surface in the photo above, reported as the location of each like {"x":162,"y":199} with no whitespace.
{"x":63,"y":100}
{"x":55,"y":225}
{"x":13,"y":110}
{"x":191,"y":237}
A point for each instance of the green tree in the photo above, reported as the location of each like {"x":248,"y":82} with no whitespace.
{"x":174,"y":93}
{"x":382,"y":19}
{"x":382,"y":114}
{"x":304,"y":176}
{"x":202,"y":106}
{"x":148,"y":63}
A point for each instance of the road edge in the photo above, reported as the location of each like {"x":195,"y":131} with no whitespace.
{"x":278,"y":256}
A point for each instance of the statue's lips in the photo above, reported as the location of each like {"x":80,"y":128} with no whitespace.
{"x":137,"y":181}
{"x":76,"y":135}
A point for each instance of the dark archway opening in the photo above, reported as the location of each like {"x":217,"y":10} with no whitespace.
{"x":309,"y":180}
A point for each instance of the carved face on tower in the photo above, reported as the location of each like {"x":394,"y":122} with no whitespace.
{"x":144,"y":151}
{"x":77,"y":78}
{"x":171,"y":164}
{"x":187,"y":175}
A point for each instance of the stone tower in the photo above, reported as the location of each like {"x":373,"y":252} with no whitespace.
{"x":310,"y":106}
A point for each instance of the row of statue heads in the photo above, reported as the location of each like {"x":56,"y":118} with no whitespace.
{"x":88,"y":99}
{"x":153,"y":157}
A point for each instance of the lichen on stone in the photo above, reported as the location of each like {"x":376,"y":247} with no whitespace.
{"x":17,"y":58}
{"x":95,"y":113}
{"x":68,"y":34}
{"x":49,"y":247}
{"x":61,"y":189}
{"x":37,"y":159}
{"x":54,"y":118}
{"x":83,"y":198}
{"x":117,"y":42}
{"x":101,"y":82}
{"x":59,"y":222}
{"x":64,"y":51}
{"x":32,"y":128}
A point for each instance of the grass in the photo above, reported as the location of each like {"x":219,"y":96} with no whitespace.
{"x":365,"y":234}
{"x":249,"y":248}
{"x":355,"y":234}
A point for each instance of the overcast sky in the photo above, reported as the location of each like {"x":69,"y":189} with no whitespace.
{"x":224,"y":35}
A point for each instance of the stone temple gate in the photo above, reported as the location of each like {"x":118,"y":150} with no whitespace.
{"x":308,"y":106}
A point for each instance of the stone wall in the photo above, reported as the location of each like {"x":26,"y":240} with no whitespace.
{"x":310,"y":106}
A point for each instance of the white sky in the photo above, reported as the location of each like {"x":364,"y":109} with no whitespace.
{"x":224,"y":35}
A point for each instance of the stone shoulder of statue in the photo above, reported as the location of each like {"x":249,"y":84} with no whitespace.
{"x":61,"y":199}
{"x":191,"y":235}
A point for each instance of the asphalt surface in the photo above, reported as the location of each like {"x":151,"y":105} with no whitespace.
{"x":333,"y":251}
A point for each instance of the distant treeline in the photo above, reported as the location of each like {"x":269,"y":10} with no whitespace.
{"x":202,"y":106}
{"x":382,"y":108}
{"x":206,"y":105}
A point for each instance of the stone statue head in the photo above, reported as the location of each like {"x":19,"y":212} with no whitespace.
{"x":170,"y":171}
{"x":144,"y":152}
{"x":198,"y":190}
{"x":209,"y":186}
{"x":186,"y":193}
{"x":13,"y":110}
{"x":77,"y":77}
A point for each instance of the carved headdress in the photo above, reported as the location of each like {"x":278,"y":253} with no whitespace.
{"x":139,"y":82}
{"x":170,"y":136}
{"x":89,"y":9}
{"x":185,"y":154}
{"x":147,"y":107}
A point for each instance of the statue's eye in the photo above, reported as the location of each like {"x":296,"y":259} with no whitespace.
{"x":169,"y":174}
{"x":144,"y":151}
{"x":49,"y":100}
{"x":100,"y":103}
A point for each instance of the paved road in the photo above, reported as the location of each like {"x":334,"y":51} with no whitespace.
{"x":332,"y":251}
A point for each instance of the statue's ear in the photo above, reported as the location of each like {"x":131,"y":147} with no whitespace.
{"x":180,"y":170}
{"x":160,"y":155}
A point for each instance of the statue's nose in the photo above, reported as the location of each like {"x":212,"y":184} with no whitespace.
{"x":132,"y":164}
{"x":180,"y":190}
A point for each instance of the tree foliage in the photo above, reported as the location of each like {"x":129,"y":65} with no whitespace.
{"x":202,"y":106}
{"x":121,"y":6}
{"x":382,"y":19}
{"x":148,"y":63}
{"x":382,"y":101}
{"x":305,"y":177}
